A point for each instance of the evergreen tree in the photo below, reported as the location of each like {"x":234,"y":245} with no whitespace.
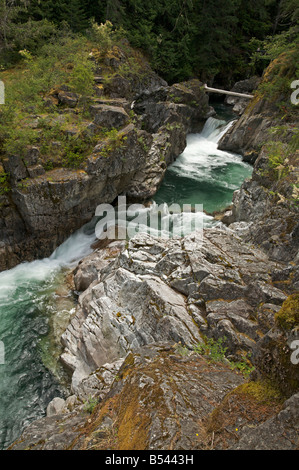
{"x":287,"y":15}
{"x":75,"y":15}
{"x":209,"y":39}
{"x":72,"y":12}
{"x":114,"y":11}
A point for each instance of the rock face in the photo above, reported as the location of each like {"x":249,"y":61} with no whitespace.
{"x":279,"y":432}
{"x":171,"y":290}
{"x":130,"y":347}
{"x":109,"y":116}
{"x":45,"y":207}
{"x":264,"y":211}
{"x":250,"y":132}
{"x":247,"y":86}
{"x":161,"y":390}
{"x":163,"y":400}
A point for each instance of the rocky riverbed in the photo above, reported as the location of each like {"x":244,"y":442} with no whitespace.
{"x":186,"y":343}
{"x":145,"y":130}
{"x":134,"y":346}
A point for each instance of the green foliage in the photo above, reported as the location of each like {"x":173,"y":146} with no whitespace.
{"x":281,"y":155}
{"x":102,"y":35}
{"x":82,"y":78}
{"x":216,"y":352}
{"x":32,"y":34}
{"x":72,"y":150}
{"x":182,"y":38}
{"x":131,"y":67}
{"x":113,"y":139}
{"x":90,"y":404}
{"x":212,"y":348}
{"x":73,"y":159}
{"x":244,"y":367}
{"x":61,"y":61}
{"x":277,"y":154}
{"x":76,"y":150}
{"x":72,"y":12}
{"x":283,"y":131}
{"x":287,"y":14}
{"x":7,"y":117}
{"x":18,"y":141}
{"x":283,"y":52}
{"x":4,"y":183}
{"x":17,"y":34}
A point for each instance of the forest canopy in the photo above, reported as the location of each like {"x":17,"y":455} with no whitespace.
{"x":212,"y":40}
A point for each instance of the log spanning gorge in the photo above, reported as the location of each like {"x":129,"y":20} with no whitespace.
{"x":36,"y":306}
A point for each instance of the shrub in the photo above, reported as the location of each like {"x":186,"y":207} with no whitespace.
{"x":102,"y":35}
{"x":277,"y":154}
{"x":82,"y":78}
{"x":212,"y":348}
{"x":216,"y":351}
{"x":4,"y":183}
{"x":90,"y":404}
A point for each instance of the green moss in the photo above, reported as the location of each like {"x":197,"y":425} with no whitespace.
{"x":4,"y":182}
{"x":90,"y":404}
{"x":247,"y":406}
{"x":133,"y":422}
{"x":262,"y":391}
{"x":288,"y":315}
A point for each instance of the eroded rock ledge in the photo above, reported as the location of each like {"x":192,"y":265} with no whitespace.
{"x":130,"y":347}
{"x":172,"y":290}
{"x":148,"y":131}
{"x":163,"y":400}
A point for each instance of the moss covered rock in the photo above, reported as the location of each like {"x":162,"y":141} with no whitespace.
{"x":273,"y":360}
{"x":288,"y":316}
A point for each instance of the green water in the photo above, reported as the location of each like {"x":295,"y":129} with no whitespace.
{"x":34,"y":308}
{"x":32,"y":311}
{"x":203,"y":174}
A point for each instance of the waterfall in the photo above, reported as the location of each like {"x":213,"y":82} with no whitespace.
{"x":204,"y":174}
{"x":201,"y":175}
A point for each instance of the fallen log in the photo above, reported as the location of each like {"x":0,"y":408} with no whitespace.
{"x":226,"y":92}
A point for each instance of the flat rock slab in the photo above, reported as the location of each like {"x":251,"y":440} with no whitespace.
{"x":156,"y":402}
{"x":109,"y":116}
{"x":169,"y":290}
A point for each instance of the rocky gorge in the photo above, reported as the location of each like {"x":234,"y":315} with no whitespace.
{"x":145,"y":123}
{"x":179,"y":343}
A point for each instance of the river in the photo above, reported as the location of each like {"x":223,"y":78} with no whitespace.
{"x":35,"y":306}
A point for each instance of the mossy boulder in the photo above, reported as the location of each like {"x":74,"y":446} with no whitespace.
{"x":158,"y":401}
{"x":288,"y":316}
{"x":273,"y":359}
{"x":246,"y":407}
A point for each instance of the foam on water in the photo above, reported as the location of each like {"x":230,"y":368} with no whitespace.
{"x":204,"y":174}
{"x":201,"y":175}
